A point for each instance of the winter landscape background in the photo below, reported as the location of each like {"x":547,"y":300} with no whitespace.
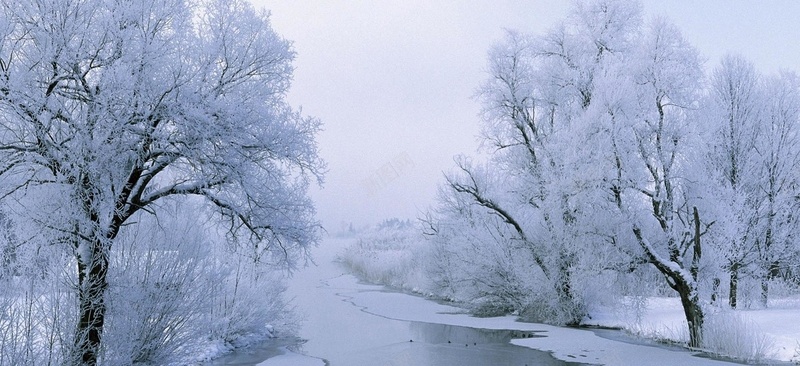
{"x":178,"y":182}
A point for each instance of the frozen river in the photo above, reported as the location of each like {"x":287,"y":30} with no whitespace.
{"x":348,"y":323}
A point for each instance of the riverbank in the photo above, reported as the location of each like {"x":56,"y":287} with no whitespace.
{"x":774,"y":331}
{"x":340,"y":330}
{"x":397,"y":258}
{"x":352,"y":323}
{"x":568,"y":344}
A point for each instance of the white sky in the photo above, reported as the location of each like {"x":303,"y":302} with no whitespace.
{"x":393,"y":80}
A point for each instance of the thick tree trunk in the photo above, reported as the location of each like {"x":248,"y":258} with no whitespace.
{"x":92,"y":284}
{"x":574,"y":312}
{"x":693,"y":312}
{"x":772,"y":273}
{"x":715,"y":283}
{"x":734,"y":286}
{"x":685,"y":284}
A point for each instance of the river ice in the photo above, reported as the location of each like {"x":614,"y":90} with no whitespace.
{"x":351,"y":323}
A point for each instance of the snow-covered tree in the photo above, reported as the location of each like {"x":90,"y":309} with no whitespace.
{"x":777,"y":150}
{"x":733,"y":109}
{"x":108,"y":108}
{"x":663,"y":182}
{"x":495,"y":263}
{"x":754,"y":152}
{"x":593,"y":130}
{"x":537,"y":91}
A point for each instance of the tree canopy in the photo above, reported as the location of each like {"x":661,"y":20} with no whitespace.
{"x":108,"y":108}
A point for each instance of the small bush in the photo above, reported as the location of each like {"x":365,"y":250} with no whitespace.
{"x":392,"y":254}
{"x":731,"y":334}
{"x":489,"y":309}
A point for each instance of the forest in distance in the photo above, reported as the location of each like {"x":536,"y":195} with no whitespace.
{"x":153,"y":205}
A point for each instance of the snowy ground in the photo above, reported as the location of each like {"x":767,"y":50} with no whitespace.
{"x":289,"y":358}
{"x":663,"y":318}
{"x":781,"y":322}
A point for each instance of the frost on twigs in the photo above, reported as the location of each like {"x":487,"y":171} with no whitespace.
{"x":608,"y":151}
{"x":104,"y":116}
{"x":734,"y":335}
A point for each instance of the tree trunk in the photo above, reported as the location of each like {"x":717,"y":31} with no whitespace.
{"x":693,"y":312}
{"x":772,"y":273}
{"x":734,"y":288}
{"x":685,"y":284}
{"x":573,"y":310}
{"x":690,"y":296}
{"x":767,"y":253}
{"x":92,"y":284}
{"x":715,"y":290}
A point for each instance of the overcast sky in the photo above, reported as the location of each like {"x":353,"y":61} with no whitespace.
{"x":393,"y":81}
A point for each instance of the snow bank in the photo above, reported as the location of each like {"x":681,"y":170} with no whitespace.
{"x":390,"y":254}
{"x":773,"y":332}
{"x":289,"y":358}
{"x":783,"y":327}
{"x":567,"y":344}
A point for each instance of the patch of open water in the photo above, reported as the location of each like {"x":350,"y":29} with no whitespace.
{"x":408,"y":343}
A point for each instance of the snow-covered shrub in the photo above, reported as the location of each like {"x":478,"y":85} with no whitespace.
{"x":37,"y":315}
{"x":488,"y":277}
{"x":394,"y":253}
{"x":158,"y":284}
{"x":725,"y":333}
{"x":36,"y":319}
{"x":731,"y":334}
{"x":175,"y":288}
{"x":495,"y":268}
{"x":749,"y":294}
{"x":246,"y":301}
{"x":491,"y":277}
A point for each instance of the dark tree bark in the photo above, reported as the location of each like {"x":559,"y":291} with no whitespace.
{"x":693,"y":312}
{"x":734,"y":285}
{"x":715,"y":289}
{"x":92,"y":285}
{"x":683,"y":282}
